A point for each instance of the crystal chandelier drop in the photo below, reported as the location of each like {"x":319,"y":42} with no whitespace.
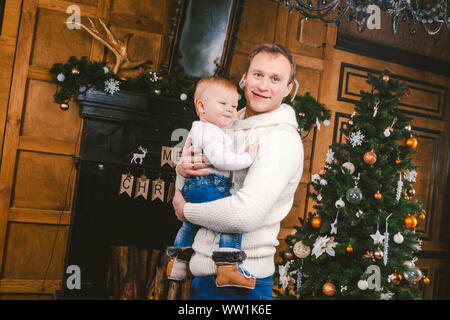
{"x":430,"y":17}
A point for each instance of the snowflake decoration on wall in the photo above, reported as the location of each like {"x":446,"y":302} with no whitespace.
{"x":410,"y":175}
{"x":112,"y":86}
{"x":330,"y":156}
{"x":356,"y":138}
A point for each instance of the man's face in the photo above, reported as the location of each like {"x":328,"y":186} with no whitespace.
{"x":219,"y":106}
{"x":266,"y":83}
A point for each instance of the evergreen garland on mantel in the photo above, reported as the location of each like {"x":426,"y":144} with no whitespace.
{"x":82,"y":74}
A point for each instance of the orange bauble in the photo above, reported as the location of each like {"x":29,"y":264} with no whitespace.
{"x":410,"y":222}
{"x":398,"y":161}
{"x":316,"y":222}
{"x":349,"y":248}
{"x":411,"y":142}
{"x":329,"y":289}
{"x":377,"y":195}
{"x":421,"y":216}
{"x":426,"y":280}
{"x":370,"y":157}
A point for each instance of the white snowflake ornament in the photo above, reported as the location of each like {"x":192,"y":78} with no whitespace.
{"x":112,"y":86}
{"x":356,"y":138}
{"x":410,"y":176}
{"x":330,"y":157}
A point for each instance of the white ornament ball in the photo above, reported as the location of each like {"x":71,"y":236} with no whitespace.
{"x":183,"y":96}
{"x":349,"y":166}
{"x":323,"y":182}
{"x":398,"y":238}
{"x":387,"y":133}
{"x":61,"y":77}
{"x":326,"y":123}
{"x":339,"y":204}
{"x":363,"y":285}
{"x":315,"y":178}
{"x":64,"y":106}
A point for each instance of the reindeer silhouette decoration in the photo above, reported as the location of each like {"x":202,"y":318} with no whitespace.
{"x":139,"y":156}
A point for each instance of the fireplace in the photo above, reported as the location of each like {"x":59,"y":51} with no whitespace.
{"x":118,"y":129}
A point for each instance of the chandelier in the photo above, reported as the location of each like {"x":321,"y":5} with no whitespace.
{"x":430,"y":17}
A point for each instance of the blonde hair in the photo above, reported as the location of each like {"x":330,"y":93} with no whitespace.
{"x":204,"y":83}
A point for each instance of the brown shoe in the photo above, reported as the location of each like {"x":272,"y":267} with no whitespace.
{"x":230,"y":275}
{"x":176,"y":269}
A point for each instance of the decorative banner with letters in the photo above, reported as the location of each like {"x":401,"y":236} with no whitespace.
{"x":158,"y":189}
{"x":126,"y":184}
{"x":142,"y":184}
{"x":170,"y":155}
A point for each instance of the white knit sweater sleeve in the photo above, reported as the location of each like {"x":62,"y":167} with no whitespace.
{"x":279,"y":161}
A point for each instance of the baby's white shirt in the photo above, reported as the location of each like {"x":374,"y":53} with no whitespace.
{"x":218,"y":149}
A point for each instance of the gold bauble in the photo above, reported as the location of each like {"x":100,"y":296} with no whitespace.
{"x":411,"y":142}
{"x":370,"y":157}
{"x":422,"y":216}
{"x":398,"y":161}
{"x":377,"y":195}
{"x":410,"y":222}
{"x":385,"y":77}
{"x":349,"y":248}
{"x":316,"y":222}
{"x":378,"y":254}
{"x":329,"y":289}
{"x":425,"y":280}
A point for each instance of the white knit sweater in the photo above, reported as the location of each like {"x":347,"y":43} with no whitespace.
{"x":262,"y":195}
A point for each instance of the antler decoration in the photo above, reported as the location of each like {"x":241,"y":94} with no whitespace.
{"x":119,"y":48}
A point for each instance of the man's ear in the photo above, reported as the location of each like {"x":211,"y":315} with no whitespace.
{"x":288,"y":89}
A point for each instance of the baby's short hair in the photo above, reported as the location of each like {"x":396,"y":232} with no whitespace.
{"x":204,"y":83}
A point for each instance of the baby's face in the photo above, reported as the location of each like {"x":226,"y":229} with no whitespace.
{"x":220,"y":106}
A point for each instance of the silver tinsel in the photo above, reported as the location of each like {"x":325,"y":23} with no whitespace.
{"x":399,"y":187}
{"x":386,"y":242}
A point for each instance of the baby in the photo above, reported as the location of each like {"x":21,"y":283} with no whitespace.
{"x":216,"y":101}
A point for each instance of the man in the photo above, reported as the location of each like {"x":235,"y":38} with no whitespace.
{"x":262,"y":195}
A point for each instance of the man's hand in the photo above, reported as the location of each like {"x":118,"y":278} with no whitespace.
{"x":178,"y":203}
{"x":253,"y":150}
{"x":188,"y":164}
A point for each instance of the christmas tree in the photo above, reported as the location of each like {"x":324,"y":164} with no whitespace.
{"x":361,"y":242}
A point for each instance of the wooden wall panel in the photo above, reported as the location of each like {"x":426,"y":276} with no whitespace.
{"x":44,"y":120}
{"x":51,"y":33}
{"x":27,"y":255}
{"x":8,"y":37}
{"x":39,"y":182}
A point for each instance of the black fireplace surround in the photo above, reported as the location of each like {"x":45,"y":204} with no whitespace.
{"x":115,"y":126}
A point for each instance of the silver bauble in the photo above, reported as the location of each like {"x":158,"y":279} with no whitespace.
{"x":354,"y":195}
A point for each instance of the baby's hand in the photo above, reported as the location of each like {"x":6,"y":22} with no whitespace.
{"x":253,"y":150}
